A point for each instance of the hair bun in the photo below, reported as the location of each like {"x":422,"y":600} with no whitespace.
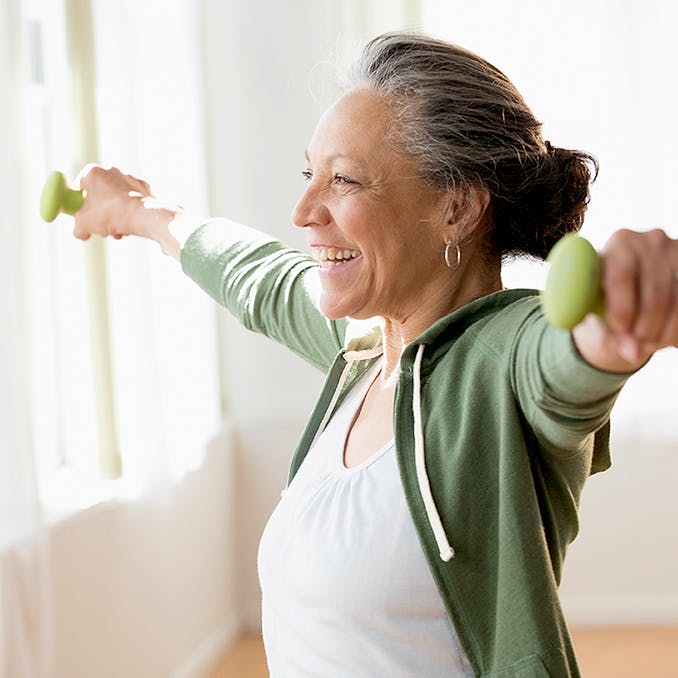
{"x":568,"y":175}
{"x":554,"y":201}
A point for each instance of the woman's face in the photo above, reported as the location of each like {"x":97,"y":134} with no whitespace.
{"x":376,"y":230}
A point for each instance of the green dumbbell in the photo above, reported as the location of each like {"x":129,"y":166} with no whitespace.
{"x":57,"y":197}
{"x":574,"y":283}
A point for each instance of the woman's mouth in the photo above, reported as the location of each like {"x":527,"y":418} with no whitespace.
{"x":332,"y":257}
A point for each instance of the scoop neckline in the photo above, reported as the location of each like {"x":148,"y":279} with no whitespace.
{"x":344,"y":470}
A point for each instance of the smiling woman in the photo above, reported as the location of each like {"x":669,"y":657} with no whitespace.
{"x":455,"y":437}
{"x":373,"y":183}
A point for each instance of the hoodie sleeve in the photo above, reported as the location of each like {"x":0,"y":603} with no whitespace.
{"x":267,"y":286}
{"x":563,"y":398}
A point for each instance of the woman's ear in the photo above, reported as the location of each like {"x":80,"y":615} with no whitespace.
{"x":468,"y":212}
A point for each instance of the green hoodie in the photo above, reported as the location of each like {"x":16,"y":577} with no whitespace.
{"x":498,"y":422}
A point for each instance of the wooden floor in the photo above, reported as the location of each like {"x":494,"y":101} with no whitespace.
{"x":647,"y":652}
{"x":245,"y":660}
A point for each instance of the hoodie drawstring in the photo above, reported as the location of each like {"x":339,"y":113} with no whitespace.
{"x":444,"y":547}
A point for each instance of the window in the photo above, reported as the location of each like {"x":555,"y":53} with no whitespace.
{"x":60,"y":355}
{"x":162,"y":375}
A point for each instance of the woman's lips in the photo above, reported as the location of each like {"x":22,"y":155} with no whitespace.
{"x":335,"y":257}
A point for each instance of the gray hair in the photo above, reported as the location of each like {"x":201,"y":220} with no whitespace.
{"x":464,"y":123}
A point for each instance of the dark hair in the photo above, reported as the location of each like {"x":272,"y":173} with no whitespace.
{"x":465,"y":124}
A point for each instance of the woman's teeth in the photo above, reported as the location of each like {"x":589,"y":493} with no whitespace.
{"x":331,"y":256}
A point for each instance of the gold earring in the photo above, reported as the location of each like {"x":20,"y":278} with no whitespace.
{"x":457,"y":264}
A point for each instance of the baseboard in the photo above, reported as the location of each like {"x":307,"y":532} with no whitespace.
{"x":208,"y":653}
{"x":618,"y":610}
{"x":251,"y":617}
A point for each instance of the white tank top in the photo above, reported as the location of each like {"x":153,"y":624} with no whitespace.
{"x":346,"y":587}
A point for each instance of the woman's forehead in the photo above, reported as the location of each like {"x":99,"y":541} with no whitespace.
{"x":354,"y":126}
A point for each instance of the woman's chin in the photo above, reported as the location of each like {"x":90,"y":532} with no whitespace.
{"x":337,"y":313}
{"x":334,"y":308}
{"x":332,"y":311}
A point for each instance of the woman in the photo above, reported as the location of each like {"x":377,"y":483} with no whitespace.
{"x":434,"y":492}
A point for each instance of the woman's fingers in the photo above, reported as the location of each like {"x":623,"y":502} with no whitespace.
{"x":671,"y":338}
{"x":118,"y":204}
{"x":81,"y":233}
{"x":620,"y":276}
{"x":140,"y":185}
{"x":656,"y":291}
{"x":110,"y":199}
{"x":641,"y":290}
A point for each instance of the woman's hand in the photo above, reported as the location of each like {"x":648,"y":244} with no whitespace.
{"x":640,"y":282}
{"x":118,"y":204}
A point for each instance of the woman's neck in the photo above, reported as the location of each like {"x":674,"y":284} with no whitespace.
{"x":398,"y":333}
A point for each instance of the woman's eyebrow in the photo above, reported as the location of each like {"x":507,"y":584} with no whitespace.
{"x":336,"y":156}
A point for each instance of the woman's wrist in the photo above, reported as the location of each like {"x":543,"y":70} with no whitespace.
{"x":606,"y":351}
{"x":154,"y":219}
{"x":180,"y":229}
{"x":170,"y":246}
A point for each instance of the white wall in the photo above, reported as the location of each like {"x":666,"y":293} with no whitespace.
{"x":147,"y":589}
{"x":622,"y":567}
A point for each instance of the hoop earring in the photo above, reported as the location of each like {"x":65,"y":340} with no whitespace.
{"x":457,"y":264}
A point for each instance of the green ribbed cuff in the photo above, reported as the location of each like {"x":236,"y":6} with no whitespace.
{"x":568,"y":372}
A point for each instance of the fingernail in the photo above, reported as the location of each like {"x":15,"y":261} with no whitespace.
{"x":628,"y":349}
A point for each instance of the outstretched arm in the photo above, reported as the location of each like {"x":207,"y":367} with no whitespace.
{"x":267,"y":286}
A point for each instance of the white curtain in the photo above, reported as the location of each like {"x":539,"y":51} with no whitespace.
{"x":146,"y":118}
{"x":163,"y":338}
{"x":357,"y":21}
{"x":25,"y":620}
{"x":150,"y":122}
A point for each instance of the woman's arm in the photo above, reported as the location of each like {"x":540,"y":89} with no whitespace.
{"x":266,"y":285}
{"x":566,"y":383}
{"x":563,"y":398}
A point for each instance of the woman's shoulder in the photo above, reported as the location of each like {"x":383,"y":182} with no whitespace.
{"x":515,"y":314}
{"x":493,"y":318}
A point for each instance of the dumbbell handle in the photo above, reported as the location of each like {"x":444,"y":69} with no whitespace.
{"x":57,"y":197}
{"x":574,"y":283}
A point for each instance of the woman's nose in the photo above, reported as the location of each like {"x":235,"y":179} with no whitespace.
{"x":310,"y":210}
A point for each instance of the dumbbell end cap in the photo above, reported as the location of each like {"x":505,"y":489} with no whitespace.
{"x":52,"y":196}
{"x":573,"y":287}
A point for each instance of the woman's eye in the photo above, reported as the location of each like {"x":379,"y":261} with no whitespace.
{"x":337,"y":179}
{"x":341,"y":179}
